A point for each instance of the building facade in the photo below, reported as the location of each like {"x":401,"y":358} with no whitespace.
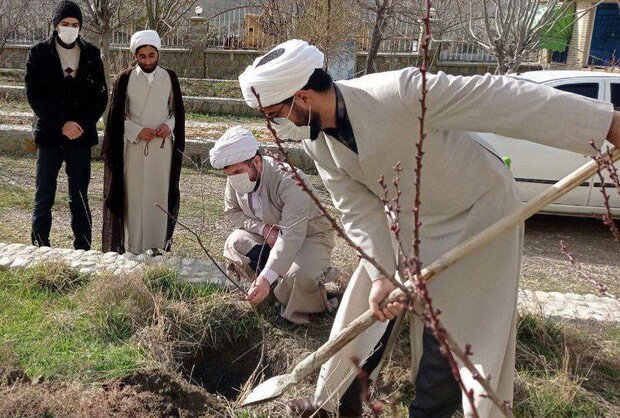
{"x":595,"y":40}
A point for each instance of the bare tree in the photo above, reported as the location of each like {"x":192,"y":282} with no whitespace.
{"x":165,"y":15}
{"x":511,"y":30}
{"x":103,"y":18}
{"x":12,"y":13}
{"x":383,"y":13}
{"x":324,"y":23}
{"x":278,"y":18}
{"x":336,"y":25}
{"x":392,"y":21}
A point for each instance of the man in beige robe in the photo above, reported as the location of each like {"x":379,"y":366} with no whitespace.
{"x":356,"y":131}
{"x":149,"y":148}
{"x":281,"y":235}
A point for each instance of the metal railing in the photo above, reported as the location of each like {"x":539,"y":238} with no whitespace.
{"x":249,"y":28}
{"x":402,"y":37}
{"x":455,"y":51}
{"x":178,"y":37}
{"x":27,"y":36}
{"x":460,"y":51}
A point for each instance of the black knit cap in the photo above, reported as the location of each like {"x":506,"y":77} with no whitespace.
{"x":64,"y":9}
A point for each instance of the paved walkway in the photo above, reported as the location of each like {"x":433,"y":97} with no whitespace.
{"x":554,"y":305}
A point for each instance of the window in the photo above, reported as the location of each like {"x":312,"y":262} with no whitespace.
{"x":582,"y":89}
{"x":605,"y":44}
{"x":559,"y":57}
{"x":615,"y":95}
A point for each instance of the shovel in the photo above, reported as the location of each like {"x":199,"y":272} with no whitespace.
{"x":278,"y":385}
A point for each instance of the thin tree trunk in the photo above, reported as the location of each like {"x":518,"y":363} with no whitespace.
{"x":375,"y":41}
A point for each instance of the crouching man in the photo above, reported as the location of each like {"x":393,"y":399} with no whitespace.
{"x":281,"y":236}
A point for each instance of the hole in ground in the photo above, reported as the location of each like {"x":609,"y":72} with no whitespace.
{"x":226,"y":368}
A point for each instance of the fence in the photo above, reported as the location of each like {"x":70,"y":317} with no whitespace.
{"x":458,"y":51}
{"x":250,"y":28}
{"x":27,"y":36}
{"x":177,"y":37}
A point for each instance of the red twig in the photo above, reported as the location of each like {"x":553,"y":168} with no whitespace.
{"x":605,"y":162}
{"x":609,"y":164}
{"x":414,"y":263}
{"x":600,"y":287}
{"x":204,"y":249}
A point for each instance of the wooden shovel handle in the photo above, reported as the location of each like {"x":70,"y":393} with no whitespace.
{"x":363,"y":322}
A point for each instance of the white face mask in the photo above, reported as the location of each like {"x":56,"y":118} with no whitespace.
{"x":286,"y":129}
{"x":68,"y":34}
{"x":241,"y":183}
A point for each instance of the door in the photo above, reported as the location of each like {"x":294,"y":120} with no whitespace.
{"x":605,"y":44}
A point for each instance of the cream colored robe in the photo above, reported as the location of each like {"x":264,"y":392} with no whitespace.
{"x":302,"y":253}
{"x":147,"y":177}
{"x":464,"y":189}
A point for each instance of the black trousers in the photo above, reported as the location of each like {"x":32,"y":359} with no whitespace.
{"x":437,"y":393}
{"x":77,"y":167}
{"x":258,"y":255}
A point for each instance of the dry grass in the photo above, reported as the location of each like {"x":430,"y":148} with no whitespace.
{"x":566,"y":371}
{"x":118,"y":306}
{"x":55,"y":277}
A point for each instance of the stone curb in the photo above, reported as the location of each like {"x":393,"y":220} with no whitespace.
{"x":13,"y":140}
{"x":194,"y":104}
{"x":19,"y":256}
{"x":553,"y":305}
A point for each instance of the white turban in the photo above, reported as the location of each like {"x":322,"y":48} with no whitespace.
{"x":236,"y":145}
{"x":143,"y":38}
{"x":280,"y":73}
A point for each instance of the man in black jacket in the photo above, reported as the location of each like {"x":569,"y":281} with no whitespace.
{"x":65,"y":86}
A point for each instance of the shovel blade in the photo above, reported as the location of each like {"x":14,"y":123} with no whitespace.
{"x":269,"y":390}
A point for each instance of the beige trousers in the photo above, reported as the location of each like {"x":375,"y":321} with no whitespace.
{"x":301,"y":291}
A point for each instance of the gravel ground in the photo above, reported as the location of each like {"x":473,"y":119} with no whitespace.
{"x":544,"y":266}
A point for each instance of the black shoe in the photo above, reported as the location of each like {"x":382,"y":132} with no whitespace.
{"x":305,"y":408}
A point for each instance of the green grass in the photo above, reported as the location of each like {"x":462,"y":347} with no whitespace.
{"x":161,"y":279}
{"x":17,"y":197}
{"x":51,"y":337}
{"x":207,"y":88}
{"x":12,"y":196}
{"x":221,"y":118}
{"x":565,"y":370}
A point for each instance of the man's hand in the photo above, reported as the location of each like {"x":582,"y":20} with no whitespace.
{"x":163,"y":131}
{"x":614,"y":131}
{"x":270,"y":233}
{"x":72,"y":130}
{"x":259,"y":291}
{"x":147,"y":134}
{"x":381,"y":288}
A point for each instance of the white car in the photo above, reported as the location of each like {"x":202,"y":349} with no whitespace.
{"x":536,"y":166}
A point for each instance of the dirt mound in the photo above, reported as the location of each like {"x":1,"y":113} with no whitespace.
{"x":151,"y":393}
{"x":11,"y":375}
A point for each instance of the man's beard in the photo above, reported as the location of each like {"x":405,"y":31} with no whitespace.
{"x":148,"y":69}
{"x":315,"y":123}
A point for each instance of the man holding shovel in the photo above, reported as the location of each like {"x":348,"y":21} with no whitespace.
{"x":356,"y":131}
